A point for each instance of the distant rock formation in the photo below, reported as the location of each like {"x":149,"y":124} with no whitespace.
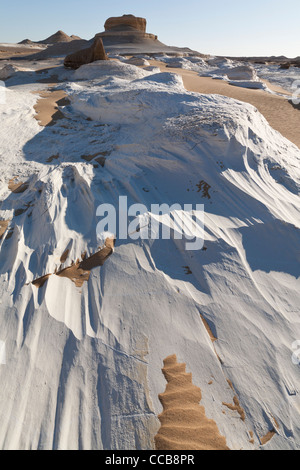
{"x":26,"y":42}
{"x":126,"y":29}
{"x":124,"y":35}
{"x":60,"y":36}
{"x":86,"y":56}
{"x":57,"y":38}
{"x":285,"y":66}
{"x":125,"y":21}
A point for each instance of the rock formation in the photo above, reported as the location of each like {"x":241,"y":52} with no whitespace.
{"x":126,"y":21}
{"x":60,"y":36}
{"x":126,"y":28}
{"x":243,"y":72}
{"x":86,"y":56}
{"x":26,"y":42}
{"x":7,"y":71}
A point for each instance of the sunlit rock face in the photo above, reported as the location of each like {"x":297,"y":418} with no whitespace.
{"x":126,"y":28}
{"x":126,"y":21}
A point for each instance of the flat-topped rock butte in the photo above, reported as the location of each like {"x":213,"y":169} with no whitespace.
{"x":130,"y":21}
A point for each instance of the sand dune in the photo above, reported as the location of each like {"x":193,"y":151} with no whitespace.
{"x":184,"y":425}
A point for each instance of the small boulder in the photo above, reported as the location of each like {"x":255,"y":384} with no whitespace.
{"x":285,"y":66}
{"x":7,"y":71}
{"x":86,"y":56}
{"x":242,"y":72}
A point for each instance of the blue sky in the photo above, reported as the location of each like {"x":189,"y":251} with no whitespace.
{"x":224,"y":27}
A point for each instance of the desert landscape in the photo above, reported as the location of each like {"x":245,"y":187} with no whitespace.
{"x":135,"y":343}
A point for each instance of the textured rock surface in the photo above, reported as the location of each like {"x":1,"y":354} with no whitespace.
{"x":126,"y":28}
{"x":127,"y":21}
{"x":243,"y":72}
{"x":7,"y":71}
{"x":60,"y":36}
{"x":86,"y":56}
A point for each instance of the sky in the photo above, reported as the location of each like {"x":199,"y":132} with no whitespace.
{"x":219,"y":27}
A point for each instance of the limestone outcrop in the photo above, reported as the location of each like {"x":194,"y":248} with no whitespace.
{"x":86,"y":56}
{"x":130,"y":21}
{"x":58,"y":37}
{"x":125,"y":29}
{"x":7,"y":71}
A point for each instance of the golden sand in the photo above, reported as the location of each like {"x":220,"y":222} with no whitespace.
{"x":236,"y":407}
{"x":80,"y":271}
{"x":3,"y":227}
{"x":64,"y":256}
{"x":264,"y":440}
{"x":47,"y":106}
{"x":184,"y":425}
{"x":17,"y":187}
{"x":41,"y":281}
{"x":236,"y":403}
{"x":280,"y":114}
{"x":16,"y":52}
{"x":208,"y":329}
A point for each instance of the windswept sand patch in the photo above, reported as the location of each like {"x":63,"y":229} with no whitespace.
{"x":184,"y":424}
{"x":212,"y":337}
{"x":236,"y":407}
{"x":80,"y":271}
{"x":53,"y":157}
{"x":99,"y":157}
{"x":17,"y":187}
{"x":64,"y":256}
{"x":267,"y":438}
{"x":208,"y":329}
{"x":236,"y":404}
{"x":41,"y":281}
{"x":270,"y":434}
{"x":75,"y":273}
{"x":10,"y":52}
{"x":3,"y":227}
{"x":47,"y":106}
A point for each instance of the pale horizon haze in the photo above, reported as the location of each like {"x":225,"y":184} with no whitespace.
{"x":235,"y":28}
